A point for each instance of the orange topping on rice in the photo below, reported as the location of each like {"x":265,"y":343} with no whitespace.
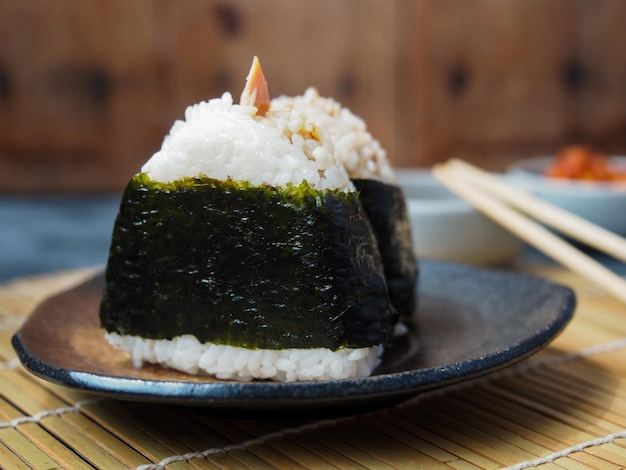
{"x":255,"y":92}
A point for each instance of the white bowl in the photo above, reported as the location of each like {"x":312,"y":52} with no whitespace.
{"x":444,"y":227}
{"x":601,"y":203}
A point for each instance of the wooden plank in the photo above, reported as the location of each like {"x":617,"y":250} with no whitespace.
{"x":84,"y":115}
{"x":488,"y":81}
{"x":597,"y":103}
{"x":478,"y":90}
{"x":78,"y":114}
{"x":501,"y":80}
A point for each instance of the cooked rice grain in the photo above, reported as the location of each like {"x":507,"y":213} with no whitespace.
{"x":356,"y":149}
{"x":187,"y":354}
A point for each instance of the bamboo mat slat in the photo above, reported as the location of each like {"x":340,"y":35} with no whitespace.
{"x":11,"y":460}
{"x":568,"y":402}
{"x":20,"y":445}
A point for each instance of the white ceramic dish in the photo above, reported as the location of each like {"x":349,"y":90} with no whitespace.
{"x":444,"y":227}
{"x":602,"y":203}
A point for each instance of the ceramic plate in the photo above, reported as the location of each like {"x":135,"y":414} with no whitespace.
{"x":471,"y":321}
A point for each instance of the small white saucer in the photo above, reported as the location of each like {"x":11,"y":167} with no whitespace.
{"x":444,"y":227}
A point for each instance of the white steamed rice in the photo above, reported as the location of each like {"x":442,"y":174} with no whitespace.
{"x":187,"y":354}
{"x":222,"y":140}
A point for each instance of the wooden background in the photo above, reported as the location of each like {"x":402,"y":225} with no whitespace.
{"x":88,"y":89}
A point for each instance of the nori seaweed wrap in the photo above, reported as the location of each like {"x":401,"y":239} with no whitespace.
{"x":386,"y":210}
{"x":243,"y":265}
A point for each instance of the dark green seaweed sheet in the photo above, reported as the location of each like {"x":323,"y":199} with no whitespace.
{"x":385,"y":207}
{"x":246,"y":266}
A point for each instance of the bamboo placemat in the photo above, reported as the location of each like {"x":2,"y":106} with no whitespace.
{"x":562,"y":408}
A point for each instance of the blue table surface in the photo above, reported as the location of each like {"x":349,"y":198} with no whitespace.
{"x":44,"y":234}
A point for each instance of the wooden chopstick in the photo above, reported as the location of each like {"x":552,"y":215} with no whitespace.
{"x":474,"y":190}
{"x":563,"y":221}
